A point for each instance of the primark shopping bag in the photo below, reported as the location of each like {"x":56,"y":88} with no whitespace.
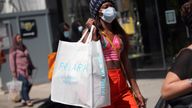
{"x":14,"y":88}
{"x":80,"y":75}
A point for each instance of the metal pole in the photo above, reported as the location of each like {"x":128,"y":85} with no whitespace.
{"x":187,"y":30}
{"x":160,"y":34}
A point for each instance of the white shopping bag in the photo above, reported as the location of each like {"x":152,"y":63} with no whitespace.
{"x":14,"y":88}
{"x":101,"y":87}
{"x":80,"y":75}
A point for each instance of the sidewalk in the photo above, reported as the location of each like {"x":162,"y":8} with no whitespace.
{"x":149,"y":84}
{"x":150,"y":88}
{"x":38,"y":94}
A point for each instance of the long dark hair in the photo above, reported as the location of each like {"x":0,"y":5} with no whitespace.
{"x":17,"y":45}
{"x":117,"y":29}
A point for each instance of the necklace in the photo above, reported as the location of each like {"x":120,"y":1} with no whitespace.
{"x":109,"y":34}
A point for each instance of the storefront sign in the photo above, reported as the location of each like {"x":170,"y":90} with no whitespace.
{"x":28,"y":28}
{"x":170,"y":17}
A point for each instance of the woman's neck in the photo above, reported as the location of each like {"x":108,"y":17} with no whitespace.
{"x":106,"y":26}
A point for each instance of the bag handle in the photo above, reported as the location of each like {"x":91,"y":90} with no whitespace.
{"x":83,"y":35}
{"x":89,"y":36}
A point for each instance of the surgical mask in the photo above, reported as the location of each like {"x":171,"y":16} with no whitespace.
{"x":109,"y":14}
{"x":66,"y":34}
{"x":80,"y":28}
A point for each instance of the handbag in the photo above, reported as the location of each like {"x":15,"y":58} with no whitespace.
{"x":31,"y":67}
{"x":162,"y":103}
{"x":184,"y":101}
{"x":80,"y":75}
{"x":51,"y":62}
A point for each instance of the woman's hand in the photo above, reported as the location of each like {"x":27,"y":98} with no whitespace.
{"x":90,"y":22}
{"x":141,"y":101}
{"x":14,"y":74}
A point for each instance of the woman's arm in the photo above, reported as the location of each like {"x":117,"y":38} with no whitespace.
{"x":176,"y":82}
{"x":130,"y":75}
{"x":131,"y":78}
{"x":174,"y":87}
{"x":12,"y":64}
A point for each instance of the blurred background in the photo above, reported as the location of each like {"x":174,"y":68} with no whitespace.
{"x":155,"y":29}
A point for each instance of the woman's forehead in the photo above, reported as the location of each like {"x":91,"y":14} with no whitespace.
{"x":106,"y":4}
{"x":18,"y":36}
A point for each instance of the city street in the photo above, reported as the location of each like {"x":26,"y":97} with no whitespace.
{"x":149,"y":83}
{"x":150,"y":32}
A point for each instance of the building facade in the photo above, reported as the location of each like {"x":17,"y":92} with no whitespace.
{"x":155,"y":29}
{"x":37,"y":22}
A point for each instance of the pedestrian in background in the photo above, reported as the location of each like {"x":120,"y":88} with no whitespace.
{"x":2,"y":54}
{"x":63,"y":34}
{"x":114,"y":42}
{"x":76,"y":30}
{"x":20,"y":63}
{"x":177,"y":86}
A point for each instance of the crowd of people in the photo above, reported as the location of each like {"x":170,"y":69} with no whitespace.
{"x":176,"y":89}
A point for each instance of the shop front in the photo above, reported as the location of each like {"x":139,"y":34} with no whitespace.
{"x":159,"y":33}
{"x":37,"y":28}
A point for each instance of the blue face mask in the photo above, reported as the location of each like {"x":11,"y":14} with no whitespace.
{"x":109,"y":14}
{"x":80,"y":28}
{"x":66,"y":34}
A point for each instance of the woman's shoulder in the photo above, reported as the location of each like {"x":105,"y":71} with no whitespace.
{"x":190,"y":47}
{"x":185,"y":53}
{"x":187,"y":50}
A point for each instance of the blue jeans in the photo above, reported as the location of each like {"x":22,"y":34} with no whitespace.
{"x":25,"y":88}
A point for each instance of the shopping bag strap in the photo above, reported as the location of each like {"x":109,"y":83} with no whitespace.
{"x":89,"y":38}
{"x":84,"y":34}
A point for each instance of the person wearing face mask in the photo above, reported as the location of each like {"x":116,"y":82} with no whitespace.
{"x":76,"y":31}
{"x":66,"y":32}
{"x":20,"y":62}
{"x":63,"y":34}
{"x":114,"y":42}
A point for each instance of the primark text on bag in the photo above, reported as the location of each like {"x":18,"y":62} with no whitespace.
{"x":80,"y":75}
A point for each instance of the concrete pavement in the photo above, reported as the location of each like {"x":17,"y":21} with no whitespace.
{"x":149,"y":83}
{"x":38,"y":94}
{"x":150,"y":90}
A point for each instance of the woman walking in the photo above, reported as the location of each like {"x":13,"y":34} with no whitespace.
{"x":20,"y":65}
{"x":115,"y":49}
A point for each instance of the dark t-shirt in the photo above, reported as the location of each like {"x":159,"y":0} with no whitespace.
{"x":182,"y":66}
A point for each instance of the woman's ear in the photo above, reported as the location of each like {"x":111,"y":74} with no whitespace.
{"x":100,"y":13}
